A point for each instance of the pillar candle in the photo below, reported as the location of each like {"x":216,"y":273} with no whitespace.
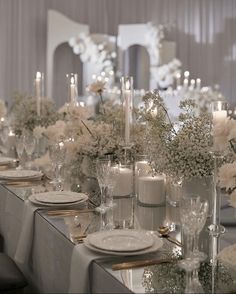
{"x":152,"y":189}
{"x":142,"y":168}
{"x":124,"y":182}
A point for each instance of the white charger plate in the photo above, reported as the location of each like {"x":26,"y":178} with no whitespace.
{"x":14,"y":174}
{"x":59,"y":197}
{"x":121,"y":240}
{"x":158,"y":243}
{"x":44,"y":204}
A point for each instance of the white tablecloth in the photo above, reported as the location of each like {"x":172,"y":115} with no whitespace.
{"x":24,"y":246}
{"x":81,"y":260}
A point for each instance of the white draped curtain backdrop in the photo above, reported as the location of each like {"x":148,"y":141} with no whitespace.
{"x":204,"y":31}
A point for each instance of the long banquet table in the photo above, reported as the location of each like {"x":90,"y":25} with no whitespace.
{"x":49,"y":268}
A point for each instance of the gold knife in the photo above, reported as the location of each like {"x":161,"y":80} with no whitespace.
{"x":68,"y":212}
{"x":173,"y":240}
{"x":139,"y":263}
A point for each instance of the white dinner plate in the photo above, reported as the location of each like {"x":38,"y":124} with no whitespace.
{"x":158,"y":243}
{"x":121,"y":240}
{"x":14,"y":174}
{"x":59,"y":197}
{"x":44,"y":204}
{"x":6,"y":160}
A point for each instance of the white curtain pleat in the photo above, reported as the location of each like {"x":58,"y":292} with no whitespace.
{"x":204,"y":31}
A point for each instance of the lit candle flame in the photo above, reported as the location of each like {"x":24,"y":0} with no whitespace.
{"x":127,"y":85}
{"x":38,"y":75}
{"x":72,"y":80}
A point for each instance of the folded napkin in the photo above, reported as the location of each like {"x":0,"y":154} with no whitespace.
{"x":81,"y":260}
{"x":25,"y":242}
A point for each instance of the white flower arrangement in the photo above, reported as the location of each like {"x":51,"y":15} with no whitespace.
{"x":181,"y":150}
{"x":225,"y":142}
{"x":23,"y":113}
{"x":91,"y":51}
{"x":165,"y":74}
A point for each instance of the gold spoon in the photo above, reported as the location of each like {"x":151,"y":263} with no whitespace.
{"x":164,"y":232}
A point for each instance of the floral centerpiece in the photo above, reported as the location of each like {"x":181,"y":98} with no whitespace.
{"x":87,"y":136}
{"x":225,"y":141}
{"x":182,"y":149}
{"x":23,"y":113}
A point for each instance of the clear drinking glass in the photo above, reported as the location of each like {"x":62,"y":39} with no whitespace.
{"x":192,"y":210}
{"x":102,"y":173}
{"x":107,"y":171}
{"x":174,"y":195}
{"x":201,"y":220}
{"x":57,"y":153}
{"x":30,"y":144}
{"x":20,"y":146}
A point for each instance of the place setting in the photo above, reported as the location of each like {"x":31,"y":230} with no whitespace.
{"x":6,"y":161}
{"x":20,"y":177}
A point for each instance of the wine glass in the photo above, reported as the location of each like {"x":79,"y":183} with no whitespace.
{"x":113,"y":174}
{"x":102,"y":172}
{"x":192,"y":210}
{"x":105,"y":172}
{"x":57,"y":153}
{"x":20,"y":146}
{"x":30,"y":144}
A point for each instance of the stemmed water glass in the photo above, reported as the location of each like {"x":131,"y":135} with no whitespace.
{"x":102,"y":172}
{"x":106,"y":172}
{"x":20,"y":146}
{"x":57,"y":153}
{"x":193,"y":214}
{"x":30,"y":144}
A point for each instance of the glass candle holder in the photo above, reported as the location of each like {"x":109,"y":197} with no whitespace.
{"x":123,"y":197}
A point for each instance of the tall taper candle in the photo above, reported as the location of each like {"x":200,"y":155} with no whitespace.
{"x":38,"y":81}
{"x":127,"y":93}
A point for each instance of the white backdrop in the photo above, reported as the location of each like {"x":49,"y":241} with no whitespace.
{"x":205,"y":33}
